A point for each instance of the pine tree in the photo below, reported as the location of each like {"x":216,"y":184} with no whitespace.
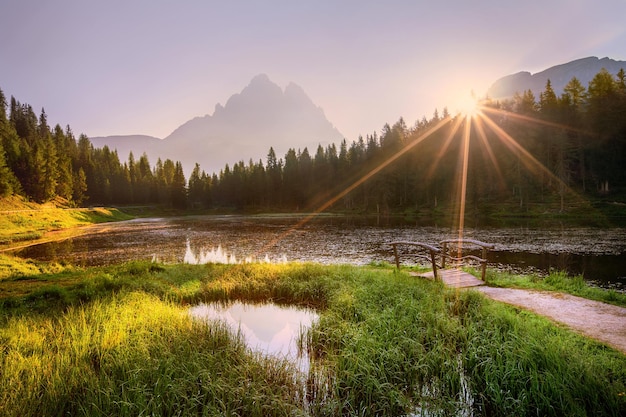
{"x":9,"y":184}
{"x":64,"y":153}
{"x":79,"y":190}
{"x":196,"y":187}
{"x":575,"y":92}
{"x":179,"y":189}
{"x":274,"y":173}
{"x":548,"y":102}
{"x":7,"y":179}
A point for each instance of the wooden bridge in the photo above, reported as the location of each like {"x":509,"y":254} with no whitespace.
{"x":453,"y":254}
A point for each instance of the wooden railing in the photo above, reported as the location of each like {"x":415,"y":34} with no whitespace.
{"x":461,"y":245}
{"x":449,"y":246}
{"x":424,"y":251}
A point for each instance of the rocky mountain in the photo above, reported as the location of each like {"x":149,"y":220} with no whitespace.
{"x":584,"y":69}
{"x":263,"y":115}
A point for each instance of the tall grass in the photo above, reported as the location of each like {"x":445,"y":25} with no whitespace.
{"x":118,"y":341}
{"x":398,"y":345}
{"x":136,"y":355}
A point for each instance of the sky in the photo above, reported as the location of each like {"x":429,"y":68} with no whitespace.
{"x":147,"y":66}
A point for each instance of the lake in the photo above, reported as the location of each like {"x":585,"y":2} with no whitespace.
{"x":599,"y":254}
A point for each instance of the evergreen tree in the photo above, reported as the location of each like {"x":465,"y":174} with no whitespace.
{"x":548,"y":102}
{"x":79,"y":190}
{"x":291,"y":180}
{"x":525,"y":103}
{"x":196,"y":187}
{"x":575,"y":92}
{"x":51,"y":169}
{"x":7,"y":179}
{"x":65,"y":185}
{"x":9,"y":184}
{"x":179,"y":189}
{"x":274,"y":174}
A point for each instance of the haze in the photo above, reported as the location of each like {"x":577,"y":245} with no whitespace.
{"x":146,"y":66}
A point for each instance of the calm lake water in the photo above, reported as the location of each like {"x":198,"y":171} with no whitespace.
{"x":598,"y":254}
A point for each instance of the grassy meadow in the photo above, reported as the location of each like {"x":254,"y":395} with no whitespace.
{"x":118,"y":341}
{"x":22,"y":221}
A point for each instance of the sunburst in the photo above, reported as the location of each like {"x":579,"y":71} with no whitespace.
{"x":475,"y":117}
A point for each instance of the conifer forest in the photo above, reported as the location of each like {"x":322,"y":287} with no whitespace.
{"x":527,"y":151}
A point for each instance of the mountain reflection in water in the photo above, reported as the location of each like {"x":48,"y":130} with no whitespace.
{"x":266,"y":328}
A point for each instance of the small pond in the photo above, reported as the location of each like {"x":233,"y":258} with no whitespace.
{"x":267,"y":328}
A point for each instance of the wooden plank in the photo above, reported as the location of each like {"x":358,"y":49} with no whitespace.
{"x":455,"y":278}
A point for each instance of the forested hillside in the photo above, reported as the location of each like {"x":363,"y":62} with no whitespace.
{"x":549,"y":151}
{"x":42,"y":163}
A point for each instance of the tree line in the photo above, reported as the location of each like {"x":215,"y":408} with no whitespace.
{"x":524,"y":151}
{"x":555,"y":151}
{"x":42,"y":163}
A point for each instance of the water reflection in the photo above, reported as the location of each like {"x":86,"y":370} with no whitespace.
{"x":266,"y":328}
{"x":597,"y":254}
{"x":219,"y":255}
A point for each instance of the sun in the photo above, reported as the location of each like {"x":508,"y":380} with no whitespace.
{"x":467,"y":105}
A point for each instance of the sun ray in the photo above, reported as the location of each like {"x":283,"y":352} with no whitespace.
{"x":529,"y":161}
{"x":435,"y":162}
{"x":534,"y":120}
{"x":492,"y":157}
{"x":479,"y":114}
{"x":465,"y":168}
{"x":359,"y":181}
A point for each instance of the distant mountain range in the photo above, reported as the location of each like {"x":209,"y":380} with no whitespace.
{"x":263,"y":115}
{"x":584,"y":69}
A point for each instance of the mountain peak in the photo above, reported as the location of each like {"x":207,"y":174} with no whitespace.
{"x":559,"y":75}
{"x":261,"y":116}
{"x":261,"y":79}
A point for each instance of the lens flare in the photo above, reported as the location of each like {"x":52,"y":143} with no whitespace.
{"x":468,"y":106}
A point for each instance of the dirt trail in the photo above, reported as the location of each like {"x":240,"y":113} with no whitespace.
{"x":600,"y":321}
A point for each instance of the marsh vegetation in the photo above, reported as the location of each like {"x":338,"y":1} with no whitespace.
{"x":119,"y":341}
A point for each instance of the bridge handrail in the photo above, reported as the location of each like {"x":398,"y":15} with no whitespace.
{"x":433,"y":251}
{"x":473,"y":241}
{"x":446,"y":243}
{"x":459,"y":242}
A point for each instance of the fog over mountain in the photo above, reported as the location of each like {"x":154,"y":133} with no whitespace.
{"x":263,"y":115}
{"x":584,"y":69}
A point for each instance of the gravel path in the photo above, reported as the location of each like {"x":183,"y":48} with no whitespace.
{"x":600,"y":321}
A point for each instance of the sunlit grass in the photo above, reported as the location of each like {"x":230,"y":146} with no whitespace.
{"x":22,"y":222}
{"x":117,"y":341}
{"x":14,"y":267}
{"x":133,"y":354}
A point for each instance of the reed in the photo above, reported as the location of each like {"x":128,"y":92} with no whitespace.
{"x":118,"y":341}
{"x":134,"y":354}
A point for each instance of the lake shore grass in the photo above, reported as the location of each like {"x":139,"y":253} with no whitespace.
{"x":23,"y":222}
{"x":118,"y":340}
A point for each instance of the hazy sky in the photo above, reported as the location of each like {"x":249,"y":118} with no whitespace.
{"x":147,"y":66}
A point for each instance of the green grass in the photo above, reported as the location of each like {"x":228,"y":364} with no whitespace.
{"x":117,"y":341}
{"x":22,"y":221}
